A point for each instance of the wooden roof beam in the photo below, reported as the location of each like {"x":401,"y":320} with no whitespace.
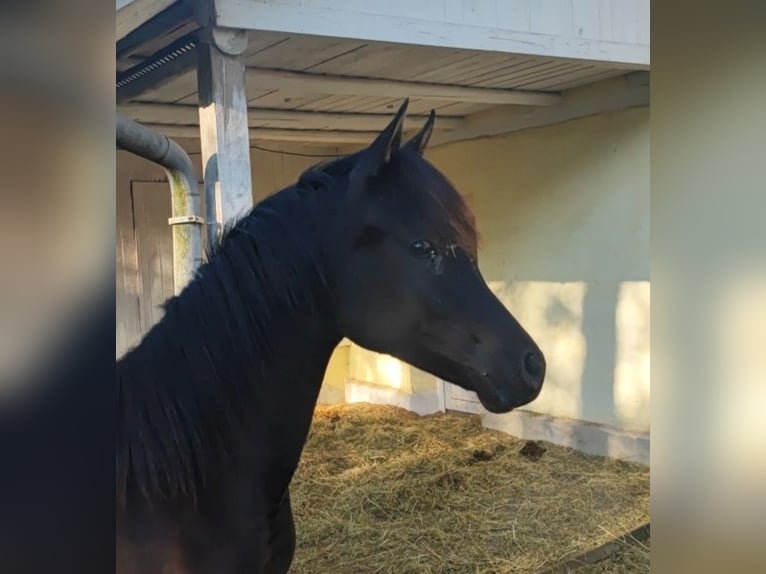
{"x":283,"y":119}
{"x":628,"y":91}
{"x":273,"y":134}
{"x":302,"y":83}
{"x":614,"y":31}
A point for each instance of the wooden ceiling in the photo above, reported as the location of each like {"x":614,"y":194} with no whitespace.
{"x":332,"y":90}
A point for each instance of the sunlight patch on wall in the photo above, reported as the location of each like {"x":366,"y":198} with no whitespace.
{"x":380,"y":369}
{"x":391,"y":371}
{"x":552,"y":314}
{"x":632,"y":363}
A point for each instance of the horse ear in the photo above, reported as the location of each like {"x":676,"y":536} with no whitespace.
{"x":419,"y":141}
{"x":379,"y":153}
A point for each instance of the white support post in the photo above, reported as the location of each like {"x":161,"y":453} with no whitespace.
{"x":224,"y":140}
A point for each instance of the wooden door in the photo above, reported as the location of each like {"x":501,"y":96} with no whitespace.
{"x":144,"y":262}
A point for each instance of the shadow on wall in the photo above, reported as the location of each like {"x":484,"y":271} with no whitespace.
{"x":596,"y":340}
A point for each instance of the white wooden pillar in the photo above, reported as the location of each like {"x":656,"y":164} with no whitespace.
{"x":225,"y":144}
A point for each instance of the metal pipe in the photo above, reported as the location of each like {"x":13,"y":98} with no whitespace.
{"x":186,"y":221}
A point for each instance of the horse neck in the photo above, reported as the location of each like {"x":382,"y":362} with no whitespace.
{"x":237,"y":361}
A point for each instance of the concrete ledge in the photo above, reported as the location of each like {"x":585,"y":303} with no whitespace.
{"x":364,"y":392}
{"x":586,"y":437}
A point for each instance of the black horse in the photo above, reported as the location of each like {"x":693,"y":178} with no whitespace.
{"x":216,"y":402}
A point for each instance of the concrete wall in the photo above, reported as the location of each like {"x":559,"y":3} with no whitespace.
{"x":564,"y":216}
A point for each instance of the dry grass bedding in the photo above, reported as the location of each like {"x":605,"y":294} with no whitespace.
{"x":383,"y":490}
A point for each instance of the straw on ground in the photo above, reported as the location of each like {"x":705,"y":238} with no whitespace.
{"x":383,"y":490}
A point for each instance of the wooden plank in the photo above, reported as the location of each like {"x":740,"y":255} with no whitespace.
{"x":128,"y":289}
{"x":447,"y":69}
{"x":517,"y":77}
{"x":569,"y":71}
{"x":605,"y":19}
{"x":620,"y":28}
{"x":388,"y":104}
{"x":175,"y":60}
{"x":462,"y":109}
{"x":573,"y":80}
{"x":643,"y":22}
{"x":464,"y":72}
{"x":154,"y":245}
{"x":175,"y":89}
{"x":269,"y":134}
{"x":515,"y":15}
{"x":430,"y":65}
{"x":585,"y":18}
{"x":381,"y":60}
{"x":302,"y":53}
{"x":339,"y":103}
{"x":608,"y":95}
{"x":380,"y":23}
{"x":224,"y":136}
{"x":258,"y":41}
{"x":156,"y":43}
{"x":275,"y":99}
{"x":286,"y":119}
{"x":417,"y":106}
{"x":637,"y":537}
{"x":302,"y":83}
{"x":130,"y":15}
{"x":552,"y":17}
{"x":502,"y":76}
{"x":374,"y":105}
{"x":183,"y":88}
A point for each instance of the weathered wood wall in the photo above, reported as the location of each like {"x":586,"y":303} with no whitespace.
{"x":143,"y":251}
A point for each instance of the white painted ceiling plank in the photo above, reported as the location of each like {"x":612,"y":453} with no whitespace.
{"x":344,"y":22}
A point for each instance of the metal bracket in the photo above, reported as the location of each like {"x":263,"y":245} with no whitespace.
{"x":182,"y":219}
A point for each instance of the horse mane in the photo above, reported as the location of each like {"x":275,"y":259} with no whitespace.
{"x":180,"y":399}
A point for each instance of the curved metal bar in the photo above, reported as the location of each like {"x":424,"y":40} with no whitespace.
{"x":186,"y":220}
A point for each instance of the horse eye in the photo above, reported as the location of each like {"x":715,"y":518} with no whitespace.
{"x":422,"y":248}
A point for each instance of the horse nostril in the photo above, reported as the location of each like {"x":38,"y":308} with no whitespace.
{"x":534,"y":366}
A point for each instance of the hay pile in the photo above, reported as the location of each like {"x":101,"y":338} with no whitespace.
{"x":380,"y":489}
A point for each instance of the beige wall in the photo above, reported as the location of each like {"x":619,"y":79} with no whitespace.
{"x":564,"y":216}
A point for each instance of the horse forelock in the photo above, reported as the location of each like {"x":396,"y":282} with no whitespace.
{"x":439,"y":206}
